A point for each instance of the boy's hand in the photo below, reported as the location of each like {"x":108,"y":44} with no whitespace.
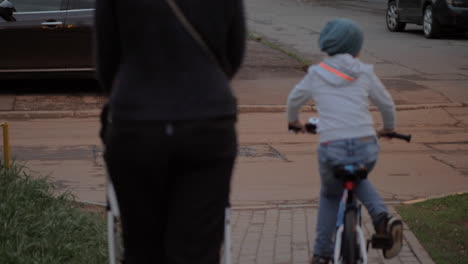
{"x":296,"y":127}
{"x":384,"y":132}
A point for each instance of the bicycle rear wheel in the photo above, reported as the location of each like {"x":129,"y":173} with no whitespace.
{"x":350,"y":247}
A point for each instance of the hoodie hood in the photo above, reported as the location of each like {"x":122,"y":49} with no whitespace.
{"x":340,"y":69}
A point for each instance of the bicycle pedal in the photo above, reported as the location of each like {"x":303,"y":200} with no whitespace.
{"x":381,"y":241}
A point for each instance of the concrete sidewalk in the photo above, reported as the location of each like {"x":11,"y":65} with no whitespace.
{"x":274,"y":166}
{"x":275,"y":187}
{"x":285,"y":234}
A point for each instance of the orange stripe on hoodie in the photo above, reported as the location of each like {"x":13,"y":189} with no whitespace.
{"x":335,"y":71}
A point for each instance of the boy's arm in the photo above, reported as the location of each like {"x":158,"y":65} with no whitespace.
{"x":384,"y":102}
{"x":298,"y":96}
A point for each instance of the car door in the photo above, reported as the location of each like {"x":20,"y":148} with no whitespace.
{"x":33,"y":40}
{"x":79,"y":27}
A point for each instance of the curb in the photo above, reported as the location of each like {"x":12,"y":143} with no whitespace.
{"x":410,"y":202}
{"x":416,"y":247}
{"x":413,"y":242}
{"x":22,"y":115}
{"x":312,"y":108}
{"x":242,"y":109}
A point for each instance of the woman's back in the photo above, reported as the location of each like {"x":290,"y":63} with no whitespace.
{"x":161,"y":72}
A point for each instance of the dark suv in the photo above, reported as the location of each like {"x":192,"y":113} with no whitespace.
{"x":46,"y":37}
{"x":435,"y":15}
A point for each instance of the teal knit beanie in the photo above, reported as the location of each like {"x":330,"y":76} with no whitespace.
{"x":341,"y":36}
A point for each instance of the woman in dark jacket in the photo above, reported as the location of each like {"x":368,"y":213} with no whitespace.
{"x":170,"y":138}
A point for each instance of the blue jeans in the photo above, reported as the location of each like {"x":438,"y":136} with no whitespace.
{"x":363,"y":150}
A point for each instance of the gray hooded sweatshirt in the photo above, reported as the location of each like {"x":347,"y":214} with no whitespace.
{"x":340,"y":87}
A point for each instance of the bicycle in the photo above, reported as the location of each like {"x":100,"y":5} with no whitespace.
{"x":350,"y":245}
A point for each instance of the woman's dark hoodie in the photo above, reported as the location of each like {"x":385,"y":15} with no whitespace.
{"x":154,"y":70}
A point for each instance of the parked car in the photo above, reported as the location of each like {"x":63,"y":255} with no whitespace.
{"x":39,"y":38}
{"x":436,"y":16}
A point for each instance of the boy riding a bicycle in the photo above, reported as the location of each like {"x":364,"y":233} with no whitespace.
{"x":340,"y":86}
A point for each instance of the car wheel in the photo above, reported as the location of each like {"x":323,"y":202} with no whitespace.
{"x":430,"y":25}
{"x":393,"y":20}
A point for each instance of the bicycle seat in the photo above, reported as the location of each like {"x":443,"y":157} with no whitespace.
{"x":350,"y":172}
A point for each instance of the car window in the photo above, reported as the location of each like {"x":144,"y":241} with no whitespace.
{"x":83,"y":4}
{"x":36,"y":5}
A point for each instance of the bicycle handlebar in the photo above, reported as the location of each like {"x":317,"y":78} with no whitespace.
{"x":407,"y":138}
{"x":294,"y":128}
{"x":311,"y":129}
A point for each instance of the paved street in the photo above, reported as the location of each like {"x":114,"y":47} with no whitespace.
{"x":297,"y":23}
{"x":406,"y":61}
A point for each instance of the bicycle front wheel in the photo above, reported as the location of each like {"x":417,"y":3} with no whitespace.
{"x":350,"y":246}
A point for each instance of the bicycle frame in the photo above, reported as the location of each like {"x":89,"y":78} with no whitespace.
{"x":113,"y":213}
{"x":349,"y":202}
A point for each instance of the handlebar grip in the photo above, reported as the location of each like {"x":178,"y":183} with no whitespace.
{"x":311,"y":128}
{"x":294,"y":128}
{"x":407,"y":138}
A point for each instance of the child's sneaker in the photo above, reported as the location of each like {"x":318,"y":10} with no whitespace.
{"x":320,"y":260}
{"x":394,"y":228}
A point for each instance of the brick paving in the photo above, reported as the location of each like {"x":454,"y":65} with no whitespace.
{"x":284,"y":235}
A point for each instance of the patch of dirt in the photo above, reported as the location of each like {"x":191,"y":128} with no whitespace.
{"x":403,"y":85}
{"x":58,"y":102}
{"x":262,"y":62}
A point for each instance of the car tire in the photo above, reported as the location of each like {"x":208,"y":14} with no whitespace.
{"x":392,"y":18}
{"x":431,"y":27}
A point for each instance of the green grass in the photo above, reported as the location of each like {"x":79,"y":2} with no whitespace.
{"x":256,"y":37}
{"x":441,"y":225}
{"x":36,"y":227}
